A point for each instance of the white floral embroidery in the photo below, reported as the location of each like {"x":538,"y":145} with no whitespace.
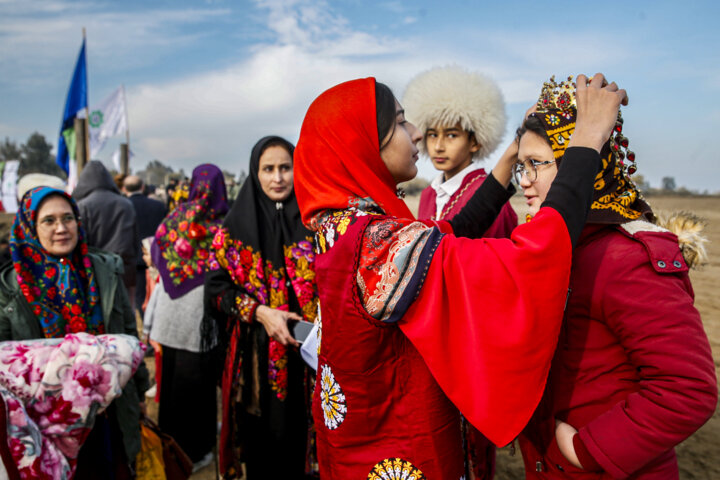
{"x":332,"y":399}
{"x":395,"y":469}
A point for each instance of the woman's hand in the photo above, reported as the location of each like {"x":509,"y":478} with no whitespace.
{"x":564,"y":433}
{"x":597,"y":107}
{"x":275,"y":323}
{"x":503,"y":170}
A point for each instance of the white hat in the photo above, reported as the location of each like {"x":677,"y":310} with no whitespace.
{"x":32,"y":180}
{"x":450,"y":95}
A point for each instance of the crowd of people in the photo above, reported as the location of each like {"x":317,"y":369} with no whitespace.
{"x":434,"y":340}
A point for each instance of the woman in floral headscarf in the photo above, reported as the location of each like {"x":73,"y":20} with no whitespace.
{"x":180,"y":253}
{"x":55,"y":286}
{"x":262,"y":276}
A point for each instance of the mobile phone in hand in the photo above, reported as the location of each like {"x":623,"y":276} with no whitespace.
{"x":300,"y":329}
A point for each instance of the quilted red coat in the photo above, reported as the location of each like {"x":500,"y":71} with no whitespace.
{"x":633,"y":371}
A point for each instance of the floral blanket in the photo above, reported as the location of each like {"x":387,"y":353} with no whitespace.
{"x":53,"y":389}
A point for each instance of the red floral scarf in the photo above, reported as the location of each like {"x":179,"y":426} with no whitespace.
{"x":182,"y":241}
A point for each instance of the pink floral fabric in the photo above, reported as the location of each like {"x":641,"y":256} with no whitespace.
{"x":53,"y":389}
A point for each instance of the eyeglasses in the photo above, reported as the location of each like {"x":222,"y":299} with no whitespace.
{"x":529,"y":169}
{"x":52,"y":222}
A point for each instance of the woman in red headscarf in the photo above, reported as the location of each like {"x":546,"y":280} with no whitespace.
{"x":421,"y":317}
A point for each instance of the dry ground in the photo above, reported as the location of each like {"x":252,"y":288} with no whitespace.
{"x":699,"y":456}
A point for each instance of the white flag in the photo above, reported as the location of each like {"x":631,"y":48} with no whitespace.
{"x":9,"y":185}
{"x":107,"y":119}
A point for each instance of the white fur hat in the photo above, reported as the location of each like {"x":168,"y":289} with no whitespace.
{"x":450,"y":95}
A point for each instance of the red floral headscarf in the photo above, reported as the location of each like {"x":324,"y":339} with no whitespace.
{"x":337,"y":159}
{"x":62,"y":292}
{"x":182,"y":241}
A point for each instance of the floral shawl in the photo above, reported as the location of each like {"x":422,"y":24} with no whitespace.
{"x":52,"y":390}
{"x":62,"y":292}
{"x":182,"y":241}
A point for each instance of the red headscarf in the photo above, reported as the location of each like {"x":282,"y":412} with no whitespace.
{"x":337,"y":159}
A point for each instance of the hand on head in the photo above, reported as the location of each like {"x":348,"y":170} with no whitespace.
{"x":597,"y":107}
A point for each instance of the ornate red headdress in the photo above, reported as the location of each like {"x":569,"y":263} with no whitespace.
{"x":616,"y":198}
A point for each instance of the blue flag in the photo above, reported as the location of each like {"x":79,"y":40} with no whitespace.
{"x":76,"y":101}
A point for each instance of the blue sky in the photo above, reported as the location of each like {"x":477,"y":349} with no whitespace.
{"x":206,"y":79}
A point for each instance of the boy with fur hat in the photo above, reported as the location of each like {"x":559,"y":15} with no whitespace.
{"x":462,"y":117}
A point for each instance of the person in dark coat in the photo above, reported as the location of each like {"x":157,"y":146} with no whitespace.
{"x":633,"y":373}
{"x":109,"y":218}
{"x":149,"y":214}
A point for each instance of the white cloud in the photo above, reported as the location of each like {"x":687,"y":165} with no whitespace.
{"x":266,"y":93}
{"x":299,"y":49}
{"x":313,"y":48}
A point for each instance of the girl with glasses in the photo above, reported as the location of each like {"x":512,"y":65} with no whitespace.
{"x":633,"y":374}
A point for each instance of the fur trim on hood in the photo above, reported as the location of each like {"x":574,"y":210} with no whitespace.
{"x":688,"y":228}
{"x":450,"y":95}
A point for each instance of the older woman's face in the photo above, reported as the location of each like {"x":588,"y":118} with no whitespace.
{"x":275,"y":173}
{"x":57,"y":227}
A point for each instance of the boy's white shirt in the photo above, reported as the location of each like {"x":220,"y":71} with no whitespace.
{"x":445,"y":190}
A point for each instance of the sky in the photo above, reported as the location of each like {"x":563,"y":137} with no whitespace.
{"x":206,"y":79}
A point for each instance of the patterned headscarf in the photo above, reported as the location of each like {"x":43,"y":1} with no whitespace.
{"x":616,"y":199}
{"x":62,"y":292}
{"x":182,"y":241}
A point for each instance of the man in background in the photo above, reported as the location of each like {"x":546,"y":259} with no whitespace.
{"x":149,"y":214}
{"x":108,"y":218}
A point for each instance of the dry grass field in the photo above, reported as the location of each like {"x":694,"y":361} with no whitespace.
{"x":699,"y":456}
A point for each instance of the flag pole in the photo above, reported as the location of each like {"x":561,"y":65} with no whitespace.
{"x":127,"y":119}
{"x":87,"y":114}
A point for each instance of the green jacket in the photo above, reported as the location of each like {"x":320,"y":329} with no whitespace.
{"x":18,"y":322}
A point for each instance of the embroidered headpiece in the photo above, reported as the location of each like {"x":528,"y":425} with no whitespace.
{"x":616,"y":198}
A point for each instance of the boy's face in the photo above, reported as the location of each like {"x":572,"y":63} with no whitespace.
{"x":450,"y":148}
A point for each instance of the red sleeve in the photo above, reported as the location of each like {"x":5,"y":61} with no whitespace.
{"x":586,"y":459}
{"x":653,"y":317}
{"x":487,"y":319}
